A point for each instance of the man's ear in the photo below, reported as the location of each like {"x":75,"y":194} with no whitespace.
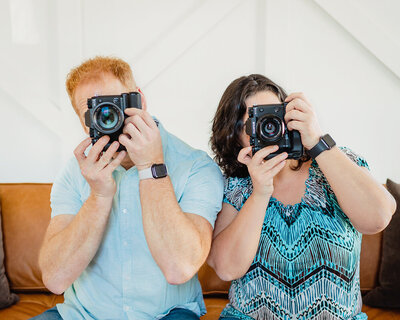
{"x":144,"y":102}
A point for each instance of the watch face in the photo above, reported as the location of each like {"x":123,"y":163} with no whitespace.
{"x":159,"y":170}
{"x":329,"y":141}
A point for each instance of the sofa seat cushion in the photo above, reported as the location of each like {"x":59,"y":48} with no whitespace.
{"x":33,"y":304}
{"x":30,"y":305}
{"x":216,"y":305}
{"x":381,"y":314}
{"x":214,"y":308}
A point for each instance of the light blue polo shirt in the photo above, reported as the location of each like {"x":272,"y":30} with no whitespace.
{"x":123,"y":281}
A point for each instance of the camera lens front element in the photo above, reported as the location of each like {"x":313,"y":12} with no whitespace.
{"x":108,"y":118}
{"x":269,"y":128}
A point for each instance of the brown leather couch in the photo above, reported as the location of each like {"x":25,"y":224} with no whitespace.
{"x":25,"y":210}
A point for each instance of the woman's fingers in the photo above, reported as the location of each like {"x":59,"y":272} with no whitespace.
{"x":275,"y":170}
{"x":295,"y":115}
{"x":244,"y":155}
{"x":271,"y":163}
{"x":297,"y":95}
{"x":298,"y":104}
{"x":263,"y":153}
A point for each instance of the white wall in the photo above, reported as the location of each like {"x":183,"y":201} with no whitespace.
{"x":342,"y":54}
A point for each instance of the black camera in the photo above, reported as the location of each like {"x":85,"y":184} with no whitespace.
{"x":106,"y":116}
{"x":266,"y":126}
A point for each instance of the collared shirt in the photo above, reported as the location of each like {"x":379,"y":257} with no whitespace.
{"x":123,"y":281}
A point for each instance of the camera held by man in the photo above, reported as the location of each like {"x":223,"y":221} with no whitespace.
{"x":106,"y":115}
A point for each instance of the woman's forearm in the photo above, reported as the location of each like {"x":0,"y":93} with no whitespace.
{"x":234,"y":248}
{"x":367,"y":203}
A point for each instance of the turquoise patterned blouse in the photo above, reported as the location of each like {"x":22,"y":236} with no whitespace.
{"x":307,"y":262}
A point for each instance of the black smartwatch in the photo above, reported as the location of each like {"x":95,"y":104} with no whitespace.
{"x":325,"y":143}
{"x":156,"y":171}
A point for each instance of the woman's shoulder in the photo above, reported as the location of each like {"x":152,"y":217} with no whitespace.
{"x":236,"y":182}
{"x":237,"y":190}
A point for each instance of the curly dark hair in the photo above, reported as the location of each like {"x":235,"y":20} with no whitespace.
{"x":228,"y":122}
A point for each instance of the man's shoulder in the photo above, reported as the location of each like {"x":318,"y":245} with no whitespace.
{"x":183,"y":152}
{"x":70,"y":171}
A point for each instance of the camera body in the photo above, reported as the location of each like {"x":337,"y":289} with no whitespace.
{"x":106,"y":115}
{"x":266,"y":126}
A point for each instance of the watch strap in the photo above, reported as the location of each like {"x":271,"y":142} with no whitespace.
{"x":325,"y":143}
{"x":145,"y":174}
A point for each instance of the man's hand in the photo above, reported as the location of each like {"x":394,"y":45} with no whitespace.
{"x":97,"y":169}
{"x":141,"y":139}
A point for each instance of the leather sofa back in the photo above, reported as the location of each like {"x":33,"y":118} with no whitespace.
{"x":26,"y":215}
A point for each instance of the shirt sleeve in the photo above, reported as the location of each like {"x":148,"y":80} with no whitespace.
{"x":65,"y":197}
{"x":203,"y":190}
{"x":359,"y":160}
{"x":237,"y":191}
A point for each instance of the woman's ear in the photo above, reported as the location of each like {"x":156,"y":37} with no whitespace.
{"x":144,"y":102}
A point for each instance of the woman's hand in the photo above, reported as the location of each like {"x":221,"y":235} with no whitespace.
{"x":262,"y":171}
{"x":301,"y":116}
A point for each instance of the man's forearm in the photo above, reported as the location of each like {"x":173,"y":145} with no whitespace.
{"x":66,"y":253}
{"x":173,"y":239}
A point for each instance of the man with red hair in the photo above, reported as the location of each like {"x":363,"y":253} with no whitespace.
{"x":123,"y":242}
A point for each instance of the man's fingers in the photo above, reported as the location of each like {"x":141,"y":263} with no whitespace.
{"x":124,"y":139}
{"x":149,"y":120}
{"x":97,"y":148}
{"x":115,"y":163}
{"x":244,"y":155}
{"x":131,"y":130}
{"x":143,"y":114}
{"x":133,"y":111}
{"x":139,"y":123}
{"x":79,"y":151}
{"x":107,"y":156}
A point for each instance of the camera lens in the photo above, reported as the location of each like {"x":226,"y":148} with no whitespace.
{"x":270,"y":128}
{"x":108,"y":118}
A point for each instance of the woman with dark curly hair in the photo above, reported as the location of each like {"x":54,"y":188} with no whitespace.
{"x":289,"y":233}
